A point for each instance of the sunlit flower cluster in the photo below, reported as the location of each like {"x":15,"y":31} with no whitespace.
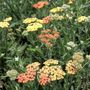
{"x":34,"y":65}
{"x":30,"y":73}
{"x":56,"y":10}
{"x":72,"y":67}
{"x":34,"y":27}
{"x":88,"y":57}
{"x":51,"y":62}
{"x":5,"y":23}
{"x":44,"y":79}
{"x":57,"y":17}
{"x":50,"y":72}
{"x":40,"y":4}
{"x":81,"y":19}
{"x":75,"y":64}
{"x":78,"y":57}
{"x":71,"y":1}
{"x":46,"y":19}
{"x":48,"y":35}
{"x":33,"y":24}
{"x":29,"y":20}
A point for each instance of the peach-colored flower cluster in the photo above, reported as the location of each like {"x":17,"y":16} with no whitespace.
{"x":46,"y":19}
{"x":75,"y":64}
{"x":48,"y":35}
{"x":40,"y":4}
{"x":44,"y":79}
{"x":30,"y":73}
{"x":50,"y":73}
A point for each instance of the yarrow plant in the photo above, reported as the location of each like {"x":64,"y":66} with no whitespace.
{"x":44,"y":45}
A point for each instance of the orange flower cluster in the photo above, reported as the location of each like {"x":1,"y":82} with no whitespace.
{"x":27,"y":76}
{"x":40,"y":4}
{"x":48,"y":35}
{"x":46,"y":19}
{"x":44,"y":79}
{"x":30,"y":73}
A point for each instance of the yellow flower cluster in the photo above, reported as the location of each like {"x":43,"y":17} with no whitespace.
{"x":32,"y":20}
{"x":29,"y":20}
{"x":88,"y":57}
{"x":34,"y":65}
{"x":78,"y":57}
{"x":33,"y":24}
{"x":8,"y":19}
{"x":34,"y":27}
{"x":54,"y":72}
{"x":82,"y":19}
{"x":5,"y":22}
{"x":57,"y":17}
{"x":75,"y":64}
{"x":72,"y":67}
{"x":50,"y":62}
{"x":71,"y":1}
{"x":57,"y":9}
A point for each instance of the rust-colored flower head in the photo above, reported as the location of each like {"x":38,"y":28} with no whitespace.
{"x":47,"y":36}
{"x":44,"y":79}
{"x":22,"y":78}
{"x":40,"y":4}
{"x":46,"y":19}
{"x":30,"y":73}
